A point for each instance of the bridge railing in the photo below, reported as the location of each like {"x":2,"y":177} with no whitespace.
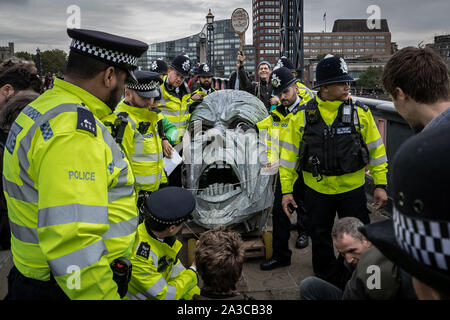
{"x":394,"y":131}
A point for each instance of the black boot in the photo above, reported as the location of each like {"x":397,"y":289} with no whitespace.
{"x":274,"y":263}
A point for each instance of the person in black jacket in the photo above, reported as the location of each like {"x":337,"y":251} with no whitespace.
{"x":261,"y":89}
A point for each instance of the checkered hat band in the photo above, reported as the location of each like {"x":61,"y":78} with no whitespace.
{"x":109,"y":55}
{"x":143,"y":87}
{"x":428,"y":242}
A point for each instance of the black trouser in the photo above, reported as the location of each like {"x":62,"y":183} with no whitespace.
{"x":23,"y":288}
{"x":281,"y":222}
{"x":321,"y":211}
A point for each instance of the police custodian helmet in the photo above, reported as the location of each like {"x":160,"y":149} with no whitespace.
{"x":330,"y":70}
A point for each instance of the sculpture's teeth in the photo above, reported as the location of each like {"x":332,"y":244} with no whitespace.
{"x":221,"y":188}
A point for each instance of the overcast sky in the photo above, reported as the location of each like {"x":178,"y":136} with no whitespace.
{"x":42,"y":23}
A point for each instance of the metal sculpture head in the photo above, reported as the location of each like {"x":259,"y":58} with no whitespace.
{"x":222,"y":159}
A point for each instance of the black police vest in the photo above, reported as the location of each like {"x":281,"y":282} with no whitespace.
{"x":335,"y":149}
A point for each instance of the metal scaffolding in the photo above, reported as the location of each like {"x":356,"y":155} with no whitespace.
{"x":291,"y":33}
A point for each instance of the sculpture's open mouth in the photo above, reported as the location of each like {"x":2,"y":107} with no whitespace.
{"x":218,"y":182}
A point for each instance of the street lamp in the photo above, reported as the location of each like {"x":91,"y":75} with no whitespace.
{"x":210,"y":35}
{"x":38,"y":61}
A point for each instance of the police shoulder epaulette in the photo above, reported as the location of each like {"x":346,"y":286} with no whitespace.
{"x":361,"y":105}
{"x":143,"y":250}
{"x":86,"y":121}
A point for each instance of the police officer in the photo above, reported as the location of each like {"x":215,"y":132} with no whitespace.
{"x":337,"y":138}
{"x":159,"y":66}
{"x":173,"y":105}
{"x":70,"y":190}
{"x":139,"y":129}
{"x":303,"y":92}
{"x":158,"y":274}
{"x":205,"y":77}
{"x":277,"y":126}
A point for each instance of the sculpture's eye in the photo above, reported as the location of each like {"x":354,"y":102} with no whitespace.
{"x":242,"y":125}
{"x":198,"y":128}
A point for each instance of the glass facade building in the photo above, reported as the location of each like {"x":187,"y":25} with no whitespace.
{"x":225,"y":44}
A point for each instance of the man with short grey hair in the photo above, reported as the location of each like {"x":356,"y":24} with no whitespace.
{"x":374,"y":277}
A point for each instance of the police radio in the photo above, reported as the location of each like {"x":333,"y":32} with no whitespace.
{"x":121,"y":268}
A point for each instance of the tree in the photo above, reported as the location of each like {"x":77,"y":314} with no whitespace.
{"x":371,"y":78}
{"x":53,"y":61}
{"x":25,"y":55}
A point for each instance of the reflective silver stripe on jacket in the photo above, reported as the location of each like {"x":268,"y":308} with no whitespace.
{"x":149,"y":178}
{"x":121,"y":189}
{"x":176,"y":270}
{"x":81,"y":258}
{"x":180,"y":124}
{"x":121,"y":229}
{"x":171,"y":291}
{"x":288,"y":164}
{"x":152,"y":157}
{"x":167,"y":112}
{"x":24,"y":192}
{"x":288,"y":146}
{"x":374,"y":144}
{"x":24,"y":234}
{"x":72,"y":213}
{"x":152,"y":292}
{"x":154,"y":258}
{"x":377,"y":161}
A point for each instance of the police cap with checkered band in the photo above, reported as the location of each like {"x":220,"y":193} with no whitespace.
{"x":170,"y":205}
{"x":114,"y":50}
{"x":147,"y":84}
{"x":182,"y":64}
{"x":417,"y":239}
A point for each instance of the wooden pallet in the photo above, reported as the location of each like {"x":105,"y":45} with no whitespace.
{"x":254,"y":248}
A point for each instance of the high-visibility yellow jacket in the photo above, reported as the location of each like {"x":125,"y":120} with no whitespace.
{"x":304,"y":93}
{"x":142,"y":145}
{"x":175,"y":109}
{"x":274,"y":127}
{"x":204,"y":93}
{"x":70,"y":193}
{"x":334,"y":184}
{"x":174,"y":282}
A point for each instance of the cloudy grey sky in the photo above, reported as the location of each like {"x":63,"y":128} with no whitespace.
{"x":42,"y":23}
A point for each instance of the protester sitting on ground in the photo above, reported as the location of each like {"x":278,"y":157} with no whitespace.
{"x":219,"y":258}
{"x":417,"y":239}
{"x":385,"y":281}
{"x":7,"y":116}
